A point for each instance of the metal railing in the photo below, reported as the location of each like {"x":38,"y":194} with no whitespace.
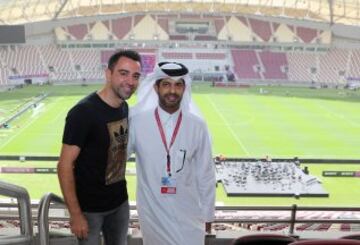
{"x":291,"y":218}
{"x":25,"y":217}
{"x":43,"y":216}
{"x":293,"y":209}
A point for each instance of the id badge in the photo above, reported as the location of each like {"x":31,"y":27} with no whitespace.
{"x":168,"y":185}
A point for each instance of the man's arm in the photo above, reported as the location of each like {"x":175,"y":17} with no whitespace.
{"x":65,"y":169}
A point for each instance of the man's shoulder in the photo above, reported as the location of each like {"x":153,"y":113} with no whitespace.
{"x":84,"y":105}
{"x":194,"y":119}
{"x":88,"y":100}
{"x":139,"y":117}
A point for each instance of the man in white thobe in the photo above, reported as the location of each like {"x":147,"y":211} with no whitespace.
{"x":175,"y":170}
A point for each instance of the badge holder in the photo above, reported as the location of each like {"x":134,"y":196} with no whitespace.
{"x":168,"y":185}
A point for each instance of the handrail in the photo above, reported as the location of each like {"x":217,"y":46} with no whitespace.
{"x":43,"y":216}
{"x":292,"y":218}
{"x":293,"y":213}
{"x":23,"y":200}
{"x":287,"y":208}
{"x":292,"y":209}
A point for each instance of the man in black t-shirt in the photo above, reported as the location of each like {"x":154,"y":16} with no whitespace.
{"x":91,"y":168}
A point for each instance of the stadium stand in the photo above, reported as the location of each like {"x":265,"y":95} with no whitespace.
{"x":87,"y":65}
{"x":85,"y":59}
{"x":24,"y":60}
{"x":4,"y":74}
{"x":300,"y":66}
{"x":354,"y":65}
{"x":304,"y":227}
{"x":245,"y":64}
{"x":148,"y":58}
{"x":331,"y":65}
{"x":334,"y":67}
{"x":176,"y":55}
{"x":274,"y":65}
{"x":148,"y":61}
{"x":210,"y":56}
{"x":58,"y":62}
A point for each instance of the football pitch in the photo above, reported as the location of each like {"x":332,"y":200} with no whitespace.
{"x":280,"y":122}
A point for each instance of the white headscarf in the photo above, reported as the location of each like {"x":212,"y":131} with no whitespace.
{"x":148,"y":98}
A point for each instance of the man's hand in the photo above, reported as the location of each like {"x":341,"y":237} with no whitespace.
{"x":79,"y":226}
{"x":208,"y":227}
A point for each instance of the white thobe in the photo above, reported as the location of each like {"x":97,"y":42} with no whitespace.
{"x":173,"y":219}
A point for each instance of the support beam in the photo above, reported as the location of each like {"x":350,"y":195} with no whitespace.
{"x":64,"y":2}
{"x":331,"y":11}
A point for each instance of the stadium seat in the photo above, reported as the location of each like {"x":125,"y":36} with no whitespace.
{"x":327,"y":242}
{"x":264,"y":239}
{"x":352,"y":236}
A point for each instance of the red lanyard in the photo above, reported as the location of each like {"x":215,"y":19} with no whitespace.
{"x":163,"y":138}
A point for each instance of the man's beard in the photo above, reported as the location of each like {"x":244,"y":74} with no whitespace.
{"x":120,"y":94}
{"x":173,"y":105}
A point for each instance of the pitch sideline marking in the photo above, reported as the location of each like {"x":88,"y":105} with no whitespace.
{"x":228,"y":126}
{"x":337,"y":115}
{"x":18,"y":132}
{"x":26,"y":125}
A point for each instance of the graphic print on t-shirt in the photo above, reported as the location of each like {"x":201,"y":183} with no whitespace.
{"x":115,"y":169}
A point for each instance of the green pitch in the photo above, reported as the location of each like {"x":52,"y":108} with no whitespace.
{"x":278,"y":122}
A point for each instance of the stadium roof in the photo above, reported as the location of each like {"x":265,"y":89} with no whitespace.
{"x":329,"y":11}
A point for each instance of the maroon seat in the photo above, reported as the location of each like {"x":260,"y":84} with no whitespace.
{"x":264,"y":239}
{"x":352,"y":236}
{"x":327,"y":242}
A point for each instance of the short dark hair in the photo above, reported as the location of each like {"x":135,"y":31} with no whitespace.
{"x":131,"y":54}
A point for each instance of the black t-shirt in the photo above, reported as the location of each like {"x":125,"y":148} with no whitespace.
{"x":101,"y":132}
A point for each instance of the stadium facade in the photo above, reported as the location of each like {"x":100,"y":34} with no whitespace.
{"x":297,"y":42}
